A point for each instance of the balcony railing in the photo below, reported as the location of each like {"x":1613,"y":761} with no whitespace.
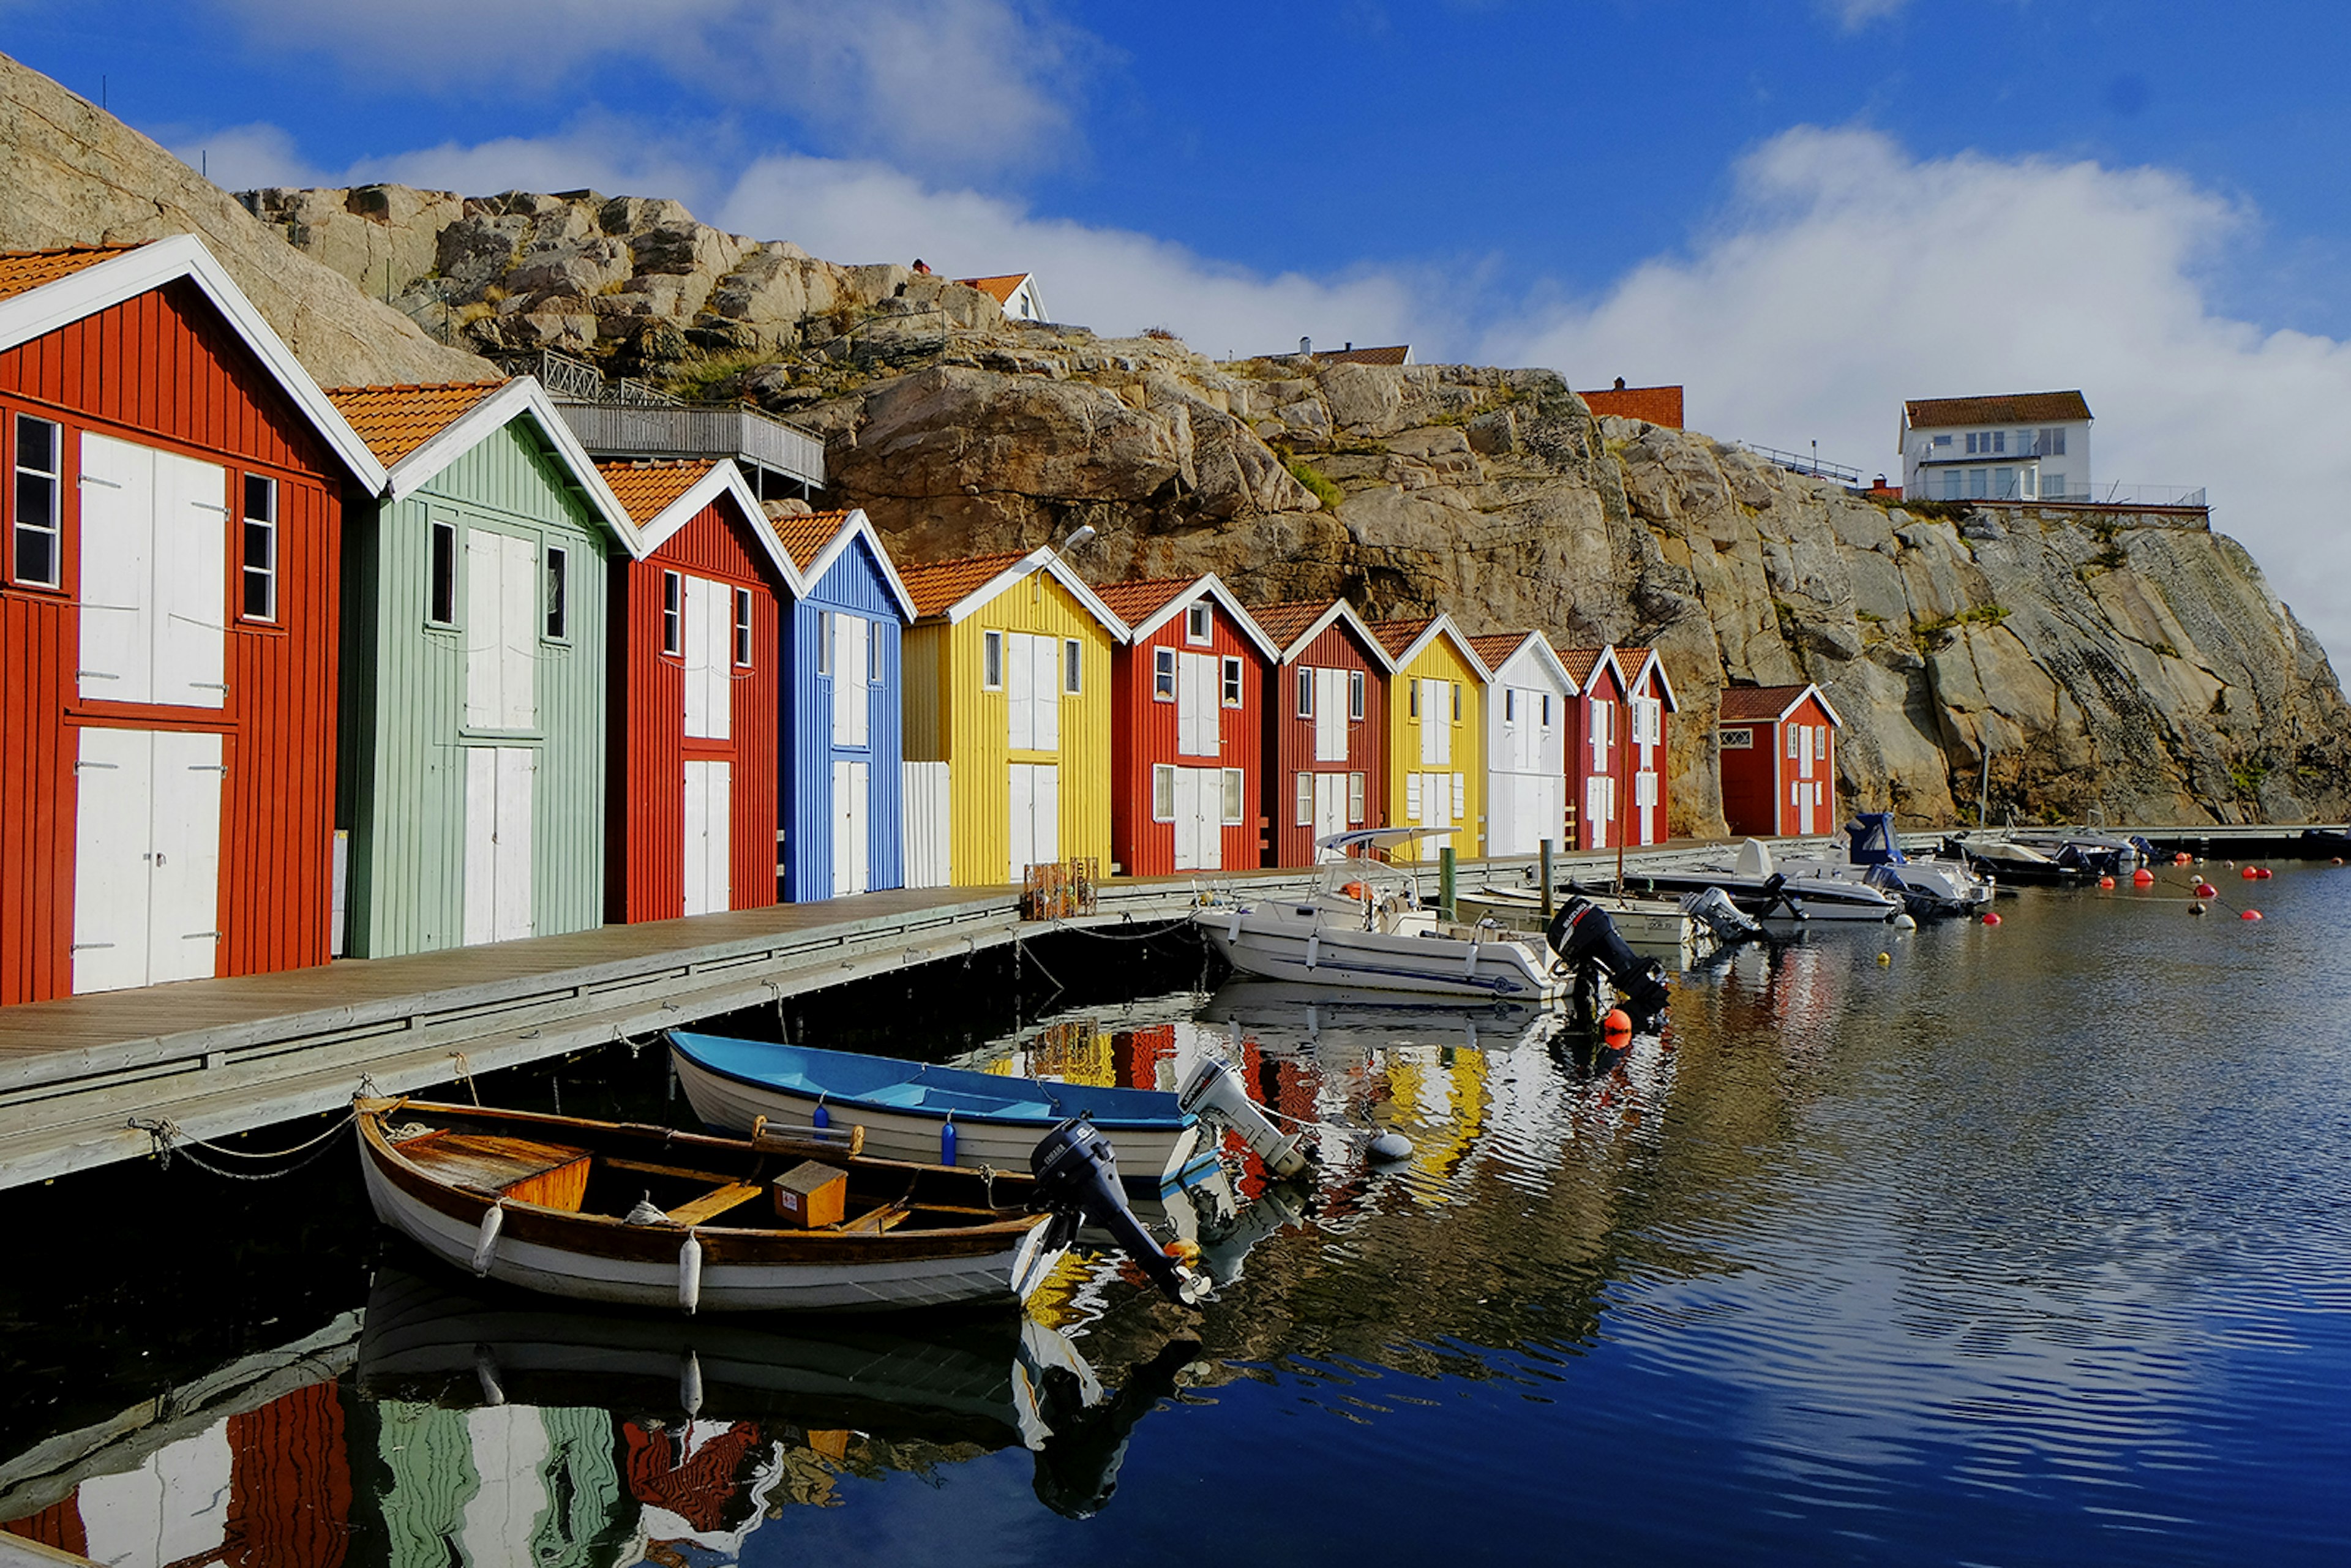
{"x":1799,"y":463}
{"x":697,"y":430}
{"x":1936,"y":484}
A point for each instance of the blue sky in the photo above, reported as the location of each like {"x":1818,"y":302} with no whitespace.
{"x":1803,"y":210}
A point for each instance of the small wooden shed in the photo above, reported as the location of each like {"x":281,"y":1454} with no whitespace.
{"x":1649,"y":700}
{"x":1597,"y":790}
{"x":844,"y":773}
{"x":697,"y":670}
{"x":1188,"y":730}
{"x":478,"y":671}
{"x":1007,"y":682}
{"x":1437,"y":737}
{"x":1778,"y":751}
{"x":1326,"y":748}
{"x":168,"y":612}
{"x":1527,"y":717}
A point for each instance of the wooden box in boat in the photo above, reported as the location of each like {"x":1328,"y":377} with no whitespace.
{"x":915,"y":1235}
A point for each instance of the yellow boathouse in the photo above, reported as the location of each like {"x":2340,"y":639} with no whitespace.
{"x":1437,"y":737}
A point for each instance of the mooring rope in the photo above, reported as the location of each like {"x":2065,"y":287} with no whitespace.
{"x":169,"y":1138}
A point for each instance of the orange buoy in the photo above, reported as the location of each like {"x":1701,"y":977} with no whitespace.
{"x":2142,"y":878}
{"x":2249,"y":915}
{"x":1992,"y":918}
{"x":1618,"y":1022}
{"x":2206,"y":890}
{"x":2105,"y":881}
{"x":2179,"y":859}
{"x":2249,"y":873}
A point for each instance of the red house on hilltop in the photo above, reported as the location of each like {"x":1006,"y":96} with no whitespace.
{"x":696,"y":694}
{"x":1326,"y":718}
{"x":1186,"y":727}
{"x":169,"y":615}
{"x":1778,"y":750}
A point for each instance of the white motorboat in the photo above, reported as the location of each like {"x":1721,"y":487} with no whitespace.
{"x":1762,"y":890}
{"x":1929,"y":889}
{"x":1364,"y":927}
{"x":1658,"y":926}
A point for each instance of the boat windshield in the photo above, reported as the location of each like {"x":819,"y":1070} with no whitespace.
{"x":1367,"y":885}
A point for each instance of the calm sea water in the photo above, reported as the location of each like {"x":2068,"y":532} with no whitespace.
{"x":2028,"y":1245}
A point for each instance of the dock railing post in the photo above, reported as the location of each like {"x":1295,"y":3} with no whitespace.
{"x":1445,"y":882}
{"x":1546,"y":882}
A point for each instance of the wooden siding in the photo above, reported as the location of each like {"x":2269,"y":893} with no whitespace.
{"x":1441,"y":660}
{"x":404,"y":735}
{"x":1601,"y":690}
{"x":645,"y":850}
{"x":972,"y":727}
{"x":853,"y":584}
{"x":1526,"y":671}
{"x":1292,"y":743}
{"x":1756,"y":780}
{"x":1142,"y":737}
{"x":1660,"y":762}
{"x":162,"y":370}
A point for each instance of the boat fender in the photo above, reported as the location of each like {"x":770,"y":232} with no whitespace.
{"x":486,"y":1239}
{"x":1469,"y":960}
{"x":1904,"y":922}
{"x":1388,"y":1147}
{"x":947,"y":1141}
{"x":820,"y":1117}
{"x":1233,"y":926}
{"x":689,"y":1274}
{"x":485,"y":1373}
{"x":689,"y":1383}
{"x":1313,"y":946}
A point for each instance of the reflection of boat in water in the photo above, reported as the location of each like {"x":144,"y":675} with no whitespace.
{"x":963,"y":1379}
{"x":1283,"y":1011}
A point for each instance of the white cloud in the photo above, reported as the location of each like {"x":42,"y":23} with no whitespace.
{"x":1847,"y":276}
{"x":1115,"y":280}
{"x":944,"y":84}
{"x":245,"y":157}
{"x":1855,"y":14}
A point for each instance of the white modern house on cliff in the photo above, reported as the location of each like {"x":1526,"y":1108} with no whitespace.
{"x":2016,"y":446}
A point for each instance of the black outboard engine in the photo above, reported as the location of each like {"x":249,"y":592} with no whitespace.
{"x":1077,"y":1174}
{"x":1077,"y":1470}
{"x":1585,"y":940}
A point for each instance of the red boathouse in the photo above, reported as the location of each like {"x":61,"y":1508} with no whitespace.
{"x":1648,"y":698}
{"x":1186,"y":735}
{"x":1326,"y":726}
{"x":693,"y":811}
{"x":1778,"y":750}
{"x":1598,"y":792}
{"x":169,"y":615}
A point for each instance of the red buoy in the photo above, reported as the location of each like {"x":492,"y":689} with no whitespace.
{"x":2249,"y":915}
{"x":2249,"y":873}
{"x":2179,"y":859}
{"x":2142,"y":878}
{"x":2105,"y":881}
{"x":2261,"y":871}
{"x":1618,"y":1022}
{"x":2206,"y":890}
{"x":1992,"y":918}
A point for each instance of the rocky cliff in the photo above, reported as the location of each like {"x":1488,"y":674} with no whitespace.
{"x":2134,"y":661}
{"x":72,"y":175}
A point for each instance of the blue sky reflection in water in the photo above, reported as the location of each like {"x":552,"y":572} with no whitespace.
{"x":2026,"y":1247}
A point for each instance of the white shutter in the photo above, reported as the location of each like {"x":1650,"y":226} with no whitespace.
{"x":1330,"y":716}
{"x":1187,"y":814}
{"x":850,"y":704}
{"x":1426,"y":691}
{"x":113,"y":786}
{"x":861,"y":839}
{"x":518,"y":787}
{"x":923,"y":823}
{"x":483,"y":602}
{"x":718,"y":845}
{"x":1046,"y":832}
{"x":1412,"y":798}
{"x":481,"y":828}
{"x":1020,"y":801}
{"x":1021,"y":733}
{"x":184,"y":909}
{"x":1210,"y":845}
{"x":191,"y":594}
{"x":1460,"y":796}
{"x":1187,"y":719}
{"x":1443,"y":691}
{"x":1045,"y":694}
{"x":693,"y":838}
{"x":519,"y":631}
{"x":718,"y":661}
{"x":117,"y":605}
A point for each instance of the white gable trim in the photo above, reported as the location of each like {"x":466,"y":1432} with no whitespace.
{"x":1340,"y":611}
{"x":723,"y":479}
{"x":855,"y":526}
{"x":1443,"y":627}
{"x":1607,"y":660}
{"x":1815,"y":693}
{"x":1665,"y":682}
{"x":522,"y":396}
{"x":1544,"y":656}
{"x":104,"y":285}
{"x":1209,"y":584}
{"x":1046,"y":559}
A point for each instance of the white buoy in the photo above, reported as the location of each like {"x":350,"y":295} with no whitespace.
{"x":485,"y":1373}
{"x":1388,"y":1147}
{"x":485,"y":1240}
{"x":1903,"y":922}
{"x":689,"y":1274}
{"x":689,"y":1384}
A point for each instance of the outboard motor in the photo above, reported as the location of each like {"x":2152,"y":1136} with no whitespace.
{"x":1077,"y":1175}
{"x":1211,"y":1090}
{"x":1585,"y":940}
{"x":1713,"y":908}
{"x":1077,"y":1468}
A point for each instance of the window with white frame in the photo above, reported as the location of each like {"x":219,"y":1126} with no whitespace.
{"x":440,"y":578}
{"x":1195,"y":624}
{"x":38,"y":560}
{"x":743,"y":628}
{"x":1509,"y":704}
{"x":1546,"y":710}
{"x":1305,"y":692}
{"x":991,"y":661}
{"x":1412,"y":699}
{"x":1232,"y":683}
{"x":1355,"y":798}
{"x":1163,"y":793}
{"x":825,"y":635}
{"x":1073,"y":666}
{"x":673,"y":615}
{"x":1354,"y":693}
{"x":1457,"y":702}
{"x":559,"y":593}
{"x":1163,"y":675}
{"x":1305,"y":793}
{"x":260,"y":540}
{"x":1233,"y":801}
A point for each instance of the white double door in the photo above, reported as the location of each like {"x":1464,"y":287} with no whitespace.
{"x":1330,"y":809}
{"x":153,"y":598}
{"x":852,"y":838}
{"x":1527,"y":809}
{"x":147,"y":833}
{"x":1199,"y":705}
{"x":709,"y":819}
{"x":1600,"y":808}
{"x":1199,"y":819}
{"x":501,"y":787}
{"x":1036,"y":815}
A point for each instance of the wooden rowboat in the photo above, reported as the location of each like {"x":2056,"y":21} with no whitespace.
{"x":544,"y":1202}
{"x":906,"y":1107}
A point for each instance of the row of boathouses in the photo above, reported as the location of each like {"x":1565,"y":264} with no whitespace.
{"x":298,"y":671}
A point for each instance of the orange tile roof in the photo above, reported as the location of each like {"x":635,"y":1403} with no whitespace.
{"x":1136,"y":602}
{"x":1000,"y":288}
{"x":1630,"y":660}
{"x":2005,"y":408}
{"x":1751,"y":705}
{"x":1396,"y":637}
{"x":805,"y":536}
{"x":941,"y":585}
{"x":1287,"y":621}
{"x":395,"y":421}
{"x":23,"y":271}
{"x":1496,"y":646}
{"x":1581,"y":663}
{"x":647,"y":490}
